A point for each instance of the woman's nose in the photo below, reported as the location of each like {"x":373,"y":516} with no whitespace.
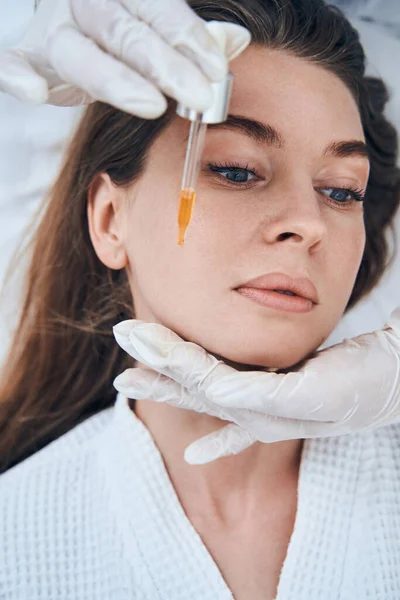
{"x":299,"y":220}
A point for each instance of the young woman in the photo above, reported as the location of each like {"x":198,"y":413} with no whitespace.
{"x":300,"y":182}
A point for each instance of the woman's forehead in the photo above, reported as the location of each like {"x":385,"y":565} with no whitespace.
{"x":307,"y":105}
{"x":287,"y":91}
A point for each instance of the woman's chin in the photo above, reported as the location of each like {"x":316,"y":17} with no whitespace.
{"x":273,"y":362}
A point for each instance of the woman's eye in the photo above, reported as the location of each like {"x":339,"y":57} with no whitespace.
{"x":343,"y":195}
{"x":233,"y":173}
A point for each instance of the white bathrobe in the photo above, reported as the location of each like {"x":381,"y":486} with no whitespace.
{"x":94,"y":516}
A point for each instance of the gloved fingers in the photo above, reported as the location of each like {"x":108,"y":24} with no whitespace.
{"x":231,"y":439}
{"x":309,"y":395}
{"x":312,"y":393}
{"x":184,"y":30}
{"x":122,"y":332}
{"x":237,"y":38}
{"x":135,"y":44}
{"x":269,"y":428}
{"x":201,"y":373}
{"x":330,"y":388}
{"x":164,"y":351}
{"x":234,"y":438}
{"x":19,"y":78}
{"x":145,"y":384}
{"x":111,"y":81}
{"x":141,"y":384}
{"x":65,"y":94}
{"x":298,"y":395}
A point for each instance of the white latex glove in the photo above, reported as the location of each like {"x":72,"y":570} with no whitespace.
{"x":350,"y":387}
{"x":127,"y":53}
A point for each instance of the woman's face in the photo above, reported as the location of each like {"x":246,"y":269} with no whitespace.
{"x":264,"y":205}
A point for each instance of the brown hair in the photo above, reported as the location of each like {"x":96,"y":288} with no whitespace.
{"x":64,"y":357}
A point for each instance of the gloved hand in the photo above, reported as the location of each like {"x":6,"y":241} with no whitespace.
{"x":124,"y":52}
{"x":350,"y":387}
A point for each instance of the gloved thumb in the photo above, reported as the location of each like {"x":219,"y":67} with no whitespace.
{"x":231,"y":439}
{"x":237,"y":38}
{"x":18,"y":78}
{"x":232,"y":39}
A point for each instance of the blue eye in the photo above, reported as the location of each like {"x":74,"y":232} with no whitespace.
{"x":234,"y":173}
{"x":343,"y":195}
{"x":240,"y":176}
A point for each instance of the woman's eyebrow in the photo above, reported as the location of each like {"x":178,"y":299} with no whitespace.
{"x":267,"y":134}
{"x":260,"y":132}
{"x":348,"y":148}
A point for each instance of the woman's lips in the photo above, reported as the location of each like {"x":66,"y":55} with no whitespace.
{"x":277,"y":300}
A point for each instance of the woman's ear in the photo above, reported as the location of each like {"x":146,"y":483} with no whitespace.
{"x":104,"y":211}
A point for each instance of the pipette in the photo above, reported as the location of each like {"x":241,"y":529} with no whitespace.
{"x":217,"y":113}
{"x":191,"y":169}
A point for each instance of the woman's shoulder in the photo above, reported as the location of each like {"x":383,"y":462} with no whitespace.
{"x":48,"y":526}
{"x":69,"y":448}
{"x":42,"y":485}
{"x":67,"y":527}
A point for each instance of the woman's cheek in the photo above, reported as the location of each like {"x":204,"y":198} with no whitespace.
{"x":360,"y":241}
{"x":352,"y":257}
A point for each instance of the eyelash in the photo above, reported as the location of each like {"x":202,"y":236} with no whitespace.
{"x":218,"y":167}
{"x":357,"y":194}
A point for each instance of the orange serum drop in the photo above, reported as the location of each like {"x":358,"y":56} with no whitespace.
{"x":186,"y":204}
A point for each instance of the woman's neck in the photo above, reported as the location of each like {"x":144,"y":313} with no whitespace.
{"x":230,"y":490}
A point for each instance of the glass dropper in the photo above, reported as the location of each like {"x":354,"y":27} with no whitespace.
{"x":217,"y":113}
{"x":191,"y":169}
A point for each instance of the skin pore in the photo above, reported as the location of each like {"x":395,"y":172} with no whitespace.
{"x":287,"y":216}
